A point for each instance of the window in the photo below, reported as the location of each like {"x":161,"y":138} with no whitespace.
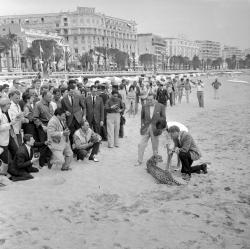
{"x":42,"y":19}
{"x":65,"y":24}
{"x":76,"y":50}
{"x":65,"y":19}
{"x":75,"y":39}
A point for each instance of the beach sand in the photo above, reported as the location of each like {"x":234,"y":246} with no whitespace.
{"x":113,"y":204}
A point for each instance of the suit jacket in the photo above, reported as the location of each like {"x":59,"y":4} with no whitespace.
{"x":77,"y":110}
{"x":94,"y":112}
{"x":159,"y":112}
{"x":186,"y":144}
{"x":22,"y":161}
{"x":55,"y":134}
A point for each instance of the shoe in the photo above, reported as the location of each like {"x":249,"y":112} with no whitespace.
{"x":33,"y":170}
{"x":93,"y":158}
{"x":138,"y":164}
{"x":50,"y":165}
{"x":110,"y":147}
{"x":66,"y":169}
{"x":117,"y":146}
{"x":186,"y":177}
{"x":204,"y":168}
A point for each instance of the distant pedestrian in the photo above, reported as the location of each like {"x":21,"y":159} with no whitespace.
{"x":216,"y":85}
{"x":187,"y":87}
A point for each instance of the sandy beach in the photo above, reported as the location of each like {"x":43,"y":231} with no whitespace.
{"x":113,"y":204}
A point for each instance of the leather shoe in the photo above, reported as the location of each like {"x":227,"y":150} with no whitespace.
{"x":204,"y":168}
{"x":92,"y":158}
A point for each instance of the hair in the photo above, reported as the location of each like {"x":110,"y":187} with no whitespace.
{"x":5,"y":86}
{"x":26,"y":138}
{"x":56,"y":90}
{"x":4,"y":101}
{"x":85,"y":79}
{"x":63,"y":89}
{"x":93,"y":86}
{"x":173,"y":129}
{"x":26,"y":96}
{"x":11,"y":94}
{"x":97,"y":82}
{"x":59,"y":111}
{"x":44,"y":88}
{"x":51,"y":87}
{"x":131,"y":87}
{"x":161,"y":123}
{"x":83,"y":122}
{"x":71,"y":86}
{"x":71,"y":82}
{"x":114,"y":92}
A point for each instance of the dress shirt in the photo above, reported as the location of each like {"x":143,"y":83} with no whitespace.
{"x":14,"y":111}
{"x":152,"y":108}
{"x":28,"y":148}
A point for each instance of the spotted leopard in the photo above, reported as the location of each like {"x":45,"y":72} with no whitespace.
{"x":162,"y":176}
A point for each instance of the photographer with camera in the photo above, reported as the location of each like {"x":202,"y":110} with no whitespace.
{"x":86,"y":141}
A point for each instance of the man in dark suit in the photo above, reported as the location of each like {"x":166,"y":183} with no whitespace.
{"x":187,"y":150}
{"x":94,"y":110}
{"x":21,"y":166}
{"x":74,"y":107}
{"x":151,"y":112}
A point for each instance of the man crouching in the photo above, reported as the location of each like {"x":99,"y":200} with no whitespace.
{"x":187,"y":151}
{"x":58,"y":135}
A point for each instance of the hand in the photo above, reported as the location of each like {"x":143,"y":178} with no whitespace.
{"x":177,"y":150}
{"x":67,"y":113}
{"x":34,"y":159}
{"x":101,"y":123}
{"x":66,"y":132}
{"x":90,"y":144}
{"x":47,"y":142}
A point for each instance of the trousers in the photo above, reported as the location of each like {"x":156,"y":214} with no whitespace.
{"x":113,"y":127}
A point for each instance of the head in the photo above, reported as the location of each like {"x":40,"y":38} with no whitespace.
{"x":131,"y":89}
{"x":5,"y":88}
{"x":71,"y":90}
{"x":27,"y":98}
{"x":5,"y":104}
{"x":174,"y":131}
{"x":64,"y":91}
{"x":44,"y":88}
{"x":28,"y":140}
{"x":15,"y":96}
{"x":97,"y":83}
{"x":32,"y":91}
{"x":57,"y":94}
{"x":60,"y":114}
{"x":47,"y":96}
{"x":36,"y":84}
{"x":85,"y":80}
{"x":51,"y":88}
{"x":73,"y":83}
{"x":16,"y":83}
{"x":84,"y":125}
{"x":150,"y":99}
{"x":93,"y":90}
{"x":114,"y":94}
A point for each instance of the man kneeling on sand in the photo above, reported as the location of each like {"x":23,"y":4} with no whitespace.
{"x":187,"y":151}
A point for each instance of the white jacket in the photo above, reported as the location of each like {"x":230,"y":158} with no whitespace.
{"x":4,"y":130}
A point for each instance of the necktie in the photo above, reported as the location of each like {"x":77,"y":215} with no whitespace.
{"x":72,"y":100}
{"x":93,"y":101}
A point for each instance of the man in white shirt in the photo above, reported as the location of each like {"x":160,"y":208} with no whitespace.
{"x":16,"y":113}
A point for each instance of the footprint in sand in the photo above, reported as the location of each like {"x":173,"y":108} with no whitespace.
{"x":2,"y":241}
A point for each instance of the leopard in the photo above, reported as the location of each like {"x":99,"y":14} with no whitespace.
{"x":162,"y":176}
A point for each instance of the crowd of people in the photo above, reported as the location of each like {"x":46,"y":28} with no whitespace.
{"x":52,"y":123}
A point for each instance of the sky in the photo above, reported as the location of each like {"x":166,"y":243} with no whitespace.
{"x":226,"y":21}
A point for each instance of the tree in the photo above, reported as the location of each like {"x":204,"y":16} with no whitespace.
{"x":147,"y":60}
{"x":5,"y":45}
{"x":209,"y":63}
{"x":229,"y":63}
{"x":196,"y":62}
{"x":247,"y":61}
{"x":186,"y":62}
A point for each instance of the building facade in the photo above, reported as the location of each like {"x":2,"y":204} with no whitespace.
{"x":83,"y":29}
{"x":181,"y":47}
{"x":230,"y":51}
{"x":209,"y":49}
{"x":152,"y":44}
